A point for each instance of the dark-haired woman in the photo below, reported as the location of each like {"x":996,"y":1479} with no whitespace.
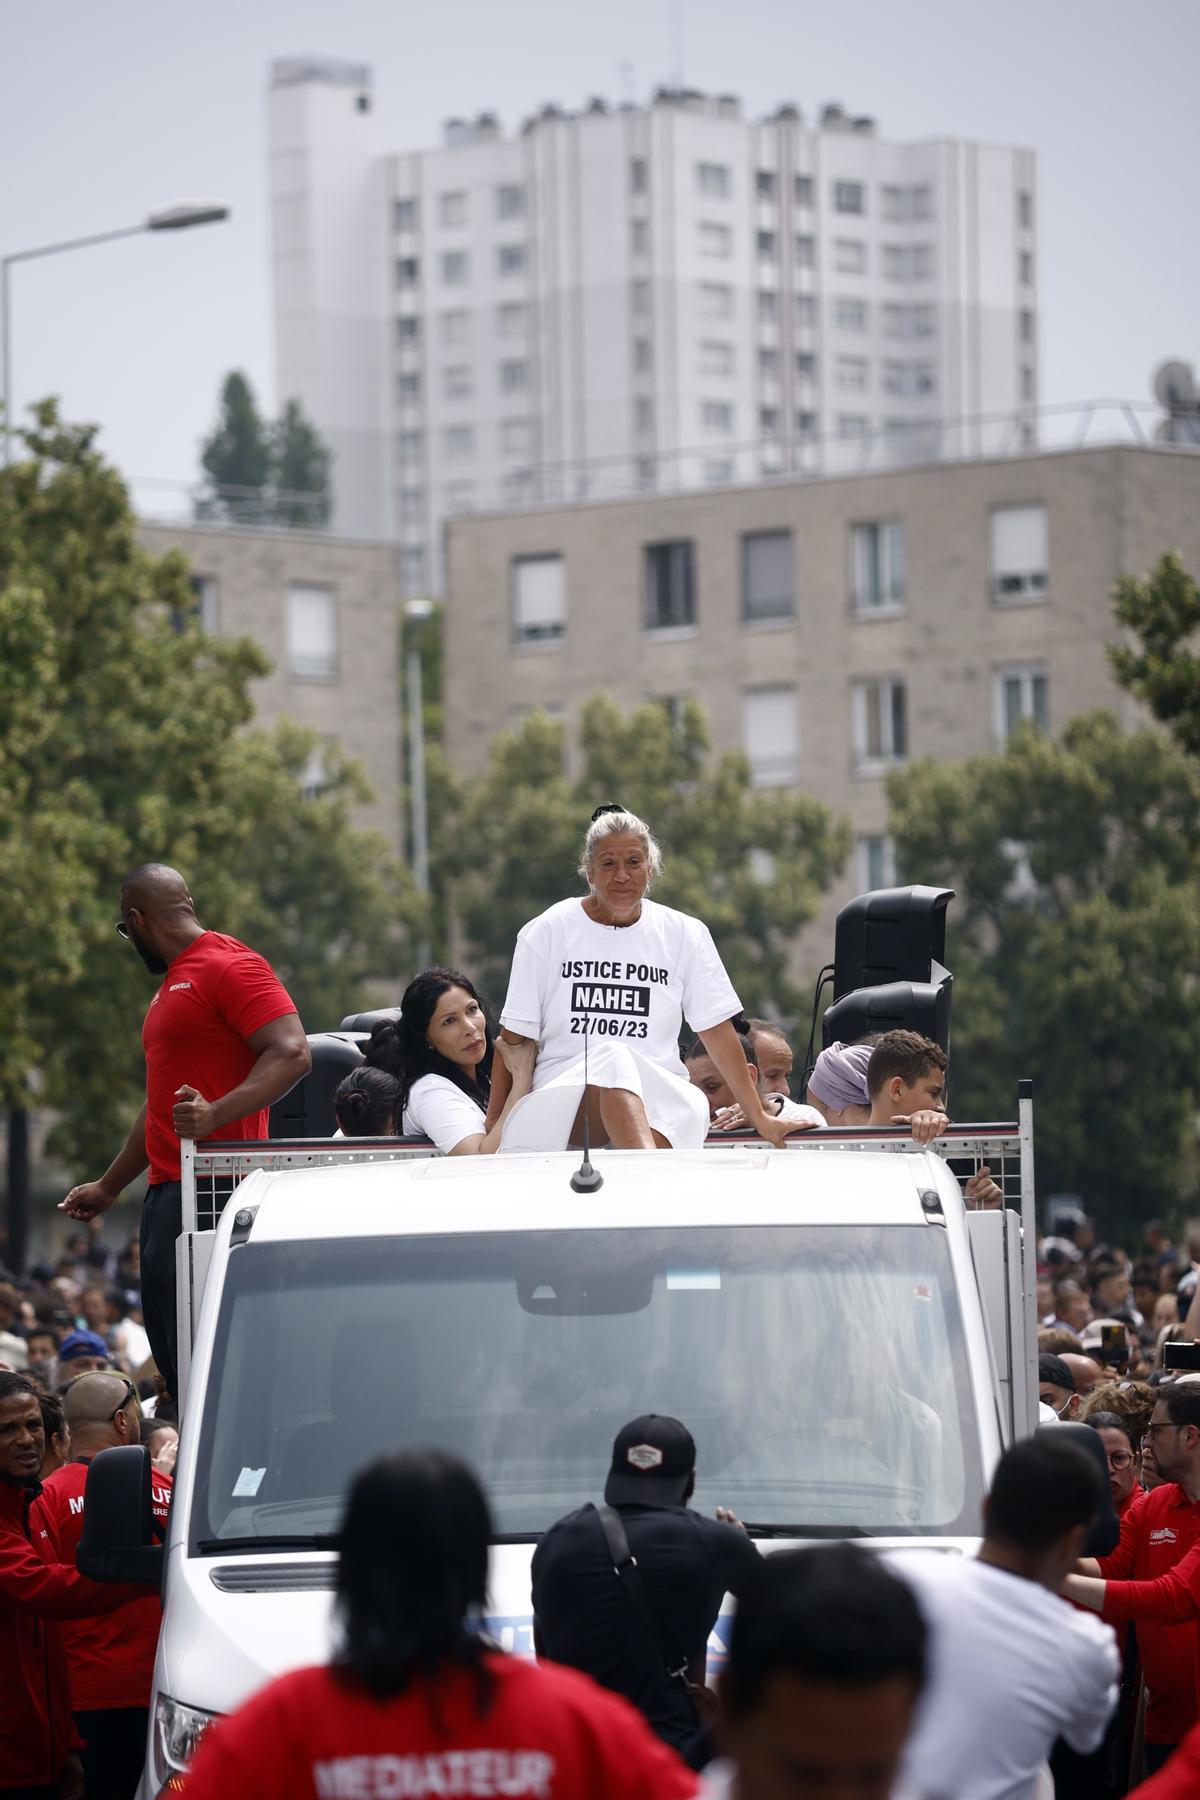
{"x":440,"y":1052}
{"x":367,"y":1104}
{"x":416,"y":1700}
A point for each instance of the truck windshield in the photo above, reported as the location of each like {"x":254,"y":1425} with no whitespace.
{"x":820,"y":1369}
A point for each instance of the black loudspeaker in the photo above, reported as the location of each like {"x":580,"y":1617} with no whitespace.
{"x":922,"y":1006}
{"x":363,"y":1021}
{"x":307,"y":1111}
{"x":891,"y":935}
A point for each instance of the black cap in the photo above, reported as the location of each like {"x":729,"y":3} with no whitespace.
{"x":1054,"y":1370}
{"x":652,"y":1460}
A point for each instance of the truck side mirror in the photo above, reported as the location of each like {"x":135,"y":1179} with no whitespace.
{"x":117,"y":1541}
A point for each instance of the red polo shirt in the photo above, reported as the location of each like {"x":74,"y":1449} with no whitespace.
{"x":214,"y":996}
{"x":110,"y":1658}
{"x":547,"y":1733}
{"x":1155,"y":1537}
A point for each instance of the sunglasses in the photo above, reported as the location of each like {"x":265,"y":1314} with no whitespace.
{"x":129,"y":1394}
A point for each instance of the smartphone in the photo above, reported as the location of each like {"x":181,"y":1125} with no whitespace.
{"x":1114,"y":1348}
{"x":1182,"y":1356}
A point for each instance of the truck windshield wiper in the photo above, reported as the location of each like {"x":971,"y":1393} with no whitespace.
{"x":807,"y":1531}
{"x":309,"y":1540}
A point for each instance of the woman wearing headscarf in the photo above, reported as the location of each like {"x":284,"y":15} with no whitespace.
{"x":602,"y":983}
{"x":837,"y":1086}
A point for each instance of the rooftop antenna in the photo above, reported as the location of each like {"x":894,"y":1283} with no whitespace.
{"x":586,"y":1180}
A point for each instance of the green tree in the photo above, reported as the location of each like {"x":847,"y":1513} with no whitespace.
{"x":125,"y":739}
{"x":300,"y":465}
{"x":751,"y":862}
{"x":1163,"y":670}
{"x":237,"y":458}
{"x":1075,"y":946}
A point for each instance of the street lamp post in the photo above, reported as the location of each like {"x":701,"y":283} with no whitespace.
{"x":171,"y":218}
{"x":415,"y":614}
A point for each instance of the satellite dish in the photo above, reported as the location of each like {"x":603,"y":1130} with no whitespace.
{"x":1175,"y":386}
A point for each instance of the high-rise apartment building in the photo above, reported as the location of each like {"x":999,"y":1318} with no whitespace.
{"x":637,"y":298}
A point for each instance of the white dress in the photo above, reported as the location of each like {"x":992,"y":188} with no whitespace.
{"x":623,"y":991}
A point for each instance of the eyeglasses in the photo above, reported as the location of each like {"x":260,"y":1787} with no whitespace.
{"x":122,"y":930}
{"x":1120,"y":1459}
{"x":1162,"y":1425}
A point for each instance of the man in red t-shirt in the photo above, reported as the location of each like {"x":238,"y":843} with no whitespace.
{"x":222,"y":1042}
{"x":417,"y":1702}
{"x":110,"y":1658}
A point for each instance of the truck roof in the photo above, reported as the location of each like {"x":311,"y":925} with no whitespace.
{"x":426,"y":1196}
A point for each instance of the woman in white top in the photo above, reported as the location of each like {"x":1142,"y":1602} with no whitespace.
{"x":602,"y":984}
{"x":440,"y":1053}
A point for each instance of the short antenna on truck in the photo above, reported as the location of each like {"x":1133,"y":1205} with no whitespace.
{"x":586,"y":1180}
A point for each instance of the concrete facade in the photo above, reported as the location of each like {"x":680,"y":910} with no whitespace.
{"x":326,"y":612}
{"x":970,"y":635}
{"x":644,"y":296}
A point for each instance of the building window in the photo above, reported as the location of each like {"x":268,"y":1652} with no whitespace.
{"x":802,"y":189}
{"x":638,"y":175}
{"x":877,"y":566}
{"x":768,"y":306}
{"x":922,"y":202}
{"x":409,"y":387}
{"x":1028,"y":383}
{"x":514,"y":437}
{"x":1025,"y":267}
{"x":407,"y":270}
{"x":455,"y":267}
{"x":669,"y":586}
{"x":512,"y":318}
{"x":894,"y":320}
{"x":456,"y":327}
{"x":922,"y":262}
{"x":716,"y":416}
{"x":639,"y":237}
{"x":767,"y":245}
{"x":895,"y":377}
{"x":764,"y":184}
{"x":452,"y":209}
{"x":459,"y":441}
{"x":715,"y":240}
{"x":880,"y":724}
{"x":718,"y":471}
{"x":852,"y":425}
{"x":1018,"y":553}
{"x":510,"y":259}
{"x":715,"y":358}
{"x":716,"y":300}
{"x":806,"y":424}
{"x":768,"y":364}
{"x":412,"y":568}
{"x":514,"y":377}
{"x":539,"y":600}
{"x":893,"y":203}
{"x":639,"y":298}
{"x":771,"y":734}
{"x":404,"y":215}
{"x":767,"y":580}
{"x":806,"y":252}
{"x":412,"y":502}
{"x":925,"y":377}
{"x":410,"y":445}
{"x":312,"y":649}
{"x":897,"y":263}
{"x":314,"y":777}
{"x":643,"y":356}
{"x":875,"y":862}
{"x":1026,"y":325}
{"x":714,"y":180}
{"x":204,"y":610}
{"x":1024,"y":208}
{"x":804,"y":309}
{"x":849,"y":197}
{"x":851,"y":373}
{"x":643,"y":414}
{"x":510,"y":201}
{"x":850,"y":315}
{"x":924,"y":320}
{"x":806,"y":364}
{"x":1017,"y":694}
{"x":768,"y":421}
{"x":460,"y":496}
{"x":460,"y":382}
{"x":850,"y":256}
{"x":408,"y":329}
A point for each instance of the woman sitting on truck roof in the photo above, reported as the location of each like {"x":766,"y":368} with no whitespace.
{"x":601,"y":983}
{"x":440,"y":1053}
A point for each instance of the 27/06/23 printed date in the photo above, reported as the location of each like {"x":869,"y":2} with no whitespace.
{"x":598,"y":1025}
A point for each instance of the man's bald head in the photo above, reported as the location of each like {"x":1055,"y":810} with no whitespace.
{"x":101,"y":1409}
{"x":157,"y":915}
{"x":156,"y":890}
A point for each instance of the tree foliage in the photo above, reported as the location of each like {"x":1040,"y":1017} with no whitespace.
{"x":126,"y":736}
{"x":1163,"y":669}
{"x":751,"y":862}
{"x":261,"y":473}
{"x":1075,"y":946}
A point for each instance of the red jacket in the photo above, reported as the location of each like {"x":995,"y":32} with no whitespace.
{"x":37,"y":1732}
{"x":110,"y":1658}
{"x":548,"y":1733}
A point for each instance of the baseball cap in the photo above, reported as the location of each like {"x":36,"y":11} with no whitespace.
{"x":81,"y":1343}
{"x":652,"y":1458}
{"x":1054,"y":1370}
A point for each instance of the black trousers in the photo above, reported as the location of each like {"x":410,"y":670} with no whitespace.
{"x":114,"y":1749}
{"x":162,"y":1222}
{"x":1155,"y":1755}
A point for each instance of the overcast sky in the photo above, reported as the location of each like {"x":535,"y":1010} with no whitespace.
{"x":109,"y":111}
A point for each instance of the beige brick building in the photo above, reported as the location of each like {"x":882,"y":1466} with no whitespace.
{"x":833,"y":628}
{"x":326,"y":611}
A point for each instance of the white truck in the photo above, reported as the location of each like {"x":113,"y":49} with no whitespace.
{"x":850,"y":1344}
